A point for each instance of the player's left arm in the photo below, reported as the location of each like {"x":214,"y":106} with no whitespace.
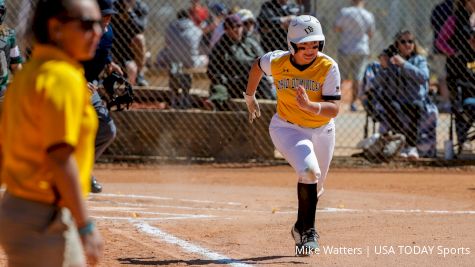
{"x":331,"y":95}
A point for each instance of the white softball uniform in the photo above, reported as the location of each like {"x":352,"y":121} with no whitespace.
{"x":306,"y":140}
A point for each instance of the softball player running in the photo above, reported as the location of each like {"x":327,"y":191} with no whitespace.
{"x":303,"y":130}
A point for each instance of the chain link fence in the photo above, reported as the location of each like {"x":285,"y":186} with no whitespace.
{"x":188,"y":74}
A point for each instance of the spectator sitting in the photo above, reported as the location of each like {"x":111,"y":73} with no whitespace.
{"x":403,"y":84}
{"x":230,"y":61}
{"x":214,"y":27}
{"x":182,"y":41}
{"x":219,"y":29}
{"x":249,"y":22}
{"x":357,"y":26}
{"x":129,"y":45}
{"x":198,"y":12}
{"x":273,"y":21}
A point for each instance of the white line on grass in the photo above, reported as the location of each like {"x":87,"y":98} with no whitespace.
{"x":187,"y":246}
{"x":167,"y":198}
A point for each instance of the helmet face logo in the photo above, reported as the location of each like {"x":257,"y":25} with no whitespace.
{"x":309,"y":29}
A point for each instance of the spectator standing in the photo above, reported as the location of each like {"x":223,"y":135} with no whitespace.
{"x":273,"y":21}
{"x":463,"y":95}
{"x":47,"y":143}
{"x":439,"y":16}
{"x":357,"y":26}
{"x":182,"y":43}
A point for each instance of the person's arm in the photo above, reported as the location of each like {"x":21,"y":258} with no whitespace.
{"x":326,"y":108}
{"x":113,"y":67}
{"x":16,"y":67}
{"x":372,"y":27}
{"x":255,"y":76}
{"x":65,"y":178}
{"x":15,"y":59}
{"x":418,"y":72}
{"x":338,"y":25}
{"x":331,"y":95}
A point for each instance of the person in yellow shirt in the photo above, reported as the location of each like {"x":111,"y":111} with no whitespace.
{"x":303,"y":130}
{"x":47,"y":136}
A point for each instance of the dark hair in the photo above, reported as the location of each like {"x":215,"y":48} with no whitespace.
{"x":45,"y":10}
{"x":182,"y":13}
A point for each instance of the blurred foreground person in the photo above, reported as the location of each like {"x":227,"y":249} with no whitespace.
{"x":47,"y":143}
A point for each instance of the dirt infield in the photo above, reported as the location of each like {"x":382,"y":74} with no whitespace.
{"x":216,"y":216}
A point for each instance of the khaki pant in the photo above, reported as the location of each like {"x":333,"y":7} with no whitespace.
{"x":38,"y":234}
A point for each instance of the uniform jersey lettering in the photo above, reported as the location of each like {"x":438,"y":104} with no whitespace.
{"x":309,"y":85}
{"x":321,"y":81}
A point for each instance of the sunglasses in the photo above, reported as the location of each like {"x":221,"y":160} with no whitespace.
{"x":402,"y":41}
{"x":85,"y":23}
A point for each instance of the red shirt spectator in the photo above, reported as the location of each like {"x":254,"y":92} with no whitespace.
{"x":198,"y":12}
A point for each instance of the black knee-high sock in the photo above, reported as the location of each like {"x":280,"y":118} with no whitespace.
{"x":307,"y":196}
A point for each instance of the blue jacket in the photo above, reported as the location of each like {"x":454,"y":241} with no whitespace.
{"x":407,"y":83}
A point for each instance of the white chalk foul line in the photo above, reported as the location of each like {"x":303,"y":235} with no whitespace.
{"x":330,"y":210}
{"x":340,"y":210}
{"x":167,"y":198}
{"x":122,"y":218}
{"x":187,"y":246}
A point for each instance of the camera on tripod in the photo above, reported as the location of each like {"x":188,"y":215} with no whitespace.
{"x":119,"y":92}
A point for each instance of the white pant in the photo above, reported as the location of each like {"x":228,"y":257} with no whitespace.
{"x":308,"y":150}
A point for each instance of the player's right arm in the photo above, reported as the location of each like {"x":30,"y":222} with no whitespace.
{"x":255,"y":76}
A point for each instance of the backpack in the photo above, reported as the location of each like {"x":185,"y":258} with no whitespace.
{"x":381,"y":148}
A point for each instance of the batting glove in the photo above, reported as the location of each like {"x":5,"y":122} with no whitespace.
{"x":252,"y":106}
